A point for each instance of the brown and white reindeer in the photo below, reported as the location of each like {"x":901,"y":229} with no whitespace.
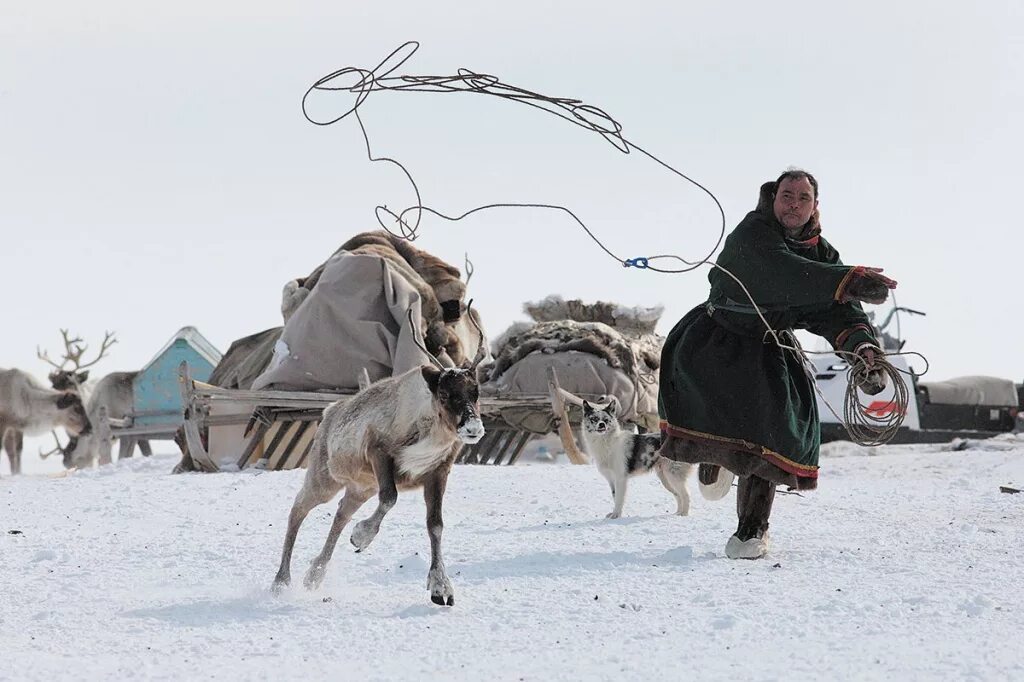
{"x":27,"y":407}
{"x":113,"y":393}
{"x":400,"y":433}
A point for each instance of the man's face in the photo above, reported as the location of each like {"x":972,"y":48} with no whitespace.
{"x":794,"y":202}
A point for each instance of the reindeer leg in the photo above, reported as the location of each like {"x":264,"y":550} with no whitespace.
{"x":19,"y":442}
{"x":384,"y":468}
{"x":318,"y":488}
{"x":12,"y":443}
{"x":440,"y":586}
{"x":349,"y":505}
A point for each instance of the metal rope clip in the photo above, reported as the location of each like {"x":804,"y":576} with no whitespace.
{"x":638,"y":262}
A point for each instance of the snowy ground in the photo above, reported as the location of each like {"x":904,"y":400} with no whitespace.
{"x":904,"y":565}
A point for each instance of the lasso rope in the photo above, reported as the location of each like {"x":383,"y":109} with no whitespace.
{"x":862,"y":425}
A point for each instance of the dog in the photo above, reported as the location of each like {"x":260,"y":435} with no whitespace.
{"x":620,"y":454}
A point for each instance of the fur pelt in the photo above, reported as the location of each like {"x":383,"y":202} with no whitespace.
{"x":444,"y":280}
{"x":631,"y":320}
{"x":624,"y":337}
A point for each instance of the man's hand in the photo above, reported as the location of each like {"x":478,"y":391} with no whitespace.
{"x":868,"y":285}
{"x":870,"y":378}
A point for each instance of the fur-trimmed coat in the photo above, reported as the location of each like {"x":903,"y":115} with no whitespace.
{"x":727,"y":386}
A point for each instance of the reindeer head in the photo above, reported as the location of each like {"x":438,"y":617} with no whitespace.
{"x":455,"y":390}
{"x":68,"y":453}
{"x":457,"y":398}
{"x":71,"y":414}
{"x":65,"y":378}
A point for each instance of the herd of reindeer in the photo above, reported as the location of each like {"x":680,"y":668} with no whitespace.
{"x":72,"y":402}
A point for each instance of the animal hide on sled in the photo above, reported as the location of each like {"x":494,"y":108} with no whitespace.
{"x":445,"y":330}
{"x":597,"y":349}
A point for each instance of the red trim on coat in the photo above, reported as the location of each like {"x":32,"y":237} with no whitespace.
{"x":840,"y":294}
{"x":847,"y":333}
{"x":784,"y":463}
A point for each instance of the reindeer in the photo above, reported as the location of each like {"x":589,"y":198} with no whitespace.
{"x":400,"y":433}
{"x":28,"y":407}
{"x":112,"y":393}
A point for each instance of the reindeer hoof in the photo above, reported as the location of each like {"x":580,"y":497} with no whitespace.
{"x":314,"y":576}
{"x":279,"y":585}
{"x":362,"y":536}
{"x":613,"y":515}
{"x":441,"y":592}
{"x":440,"y":600}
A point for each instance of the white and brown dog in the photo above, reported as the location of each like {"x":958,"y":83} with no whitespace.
{"x":621,"y":454}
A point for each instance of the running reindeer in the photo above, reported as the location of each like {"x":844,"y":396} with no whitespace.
{"x":400,"y":433}
{"x":112,"y":393}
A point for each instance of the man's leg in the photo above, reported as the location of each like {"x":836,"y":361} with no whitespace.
{"x":753,"y":507}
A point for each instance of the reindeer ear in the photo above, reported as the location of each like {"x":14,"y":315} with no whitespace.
{"x":83,"y":376}
{"x":66,"y":400}
{"x":432,"y":376}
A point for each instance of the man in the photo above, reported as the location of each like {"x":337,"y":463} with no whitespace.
{"x":729,"y":395}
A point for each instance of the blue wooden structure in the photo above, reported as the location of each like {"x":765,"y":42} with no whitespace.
{"x":156,"y":392}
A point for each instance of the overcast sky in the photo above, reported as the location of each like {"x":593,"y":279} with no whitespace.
{"x":156,"y":170}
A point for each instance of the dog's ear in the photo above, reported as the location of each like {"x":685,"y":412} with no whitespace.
{"x":612,"y":408}
{"x":587,"y":407}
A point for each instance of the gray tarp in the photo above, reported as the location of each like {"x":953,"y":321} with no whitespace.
{"x":973,"y":390}
{"x":355,"y":317}
{"x":583,"y":374}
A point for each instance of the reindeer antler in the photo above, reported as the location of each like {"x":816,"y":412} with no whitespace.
{"x":469,"y":269}
{"x":59,"y":448}
{"x":422,"y":346}
{"x":44,"y":356}
{"x":108,"y":341}
{"x":72,"y":351}
{"x":481,"y":351}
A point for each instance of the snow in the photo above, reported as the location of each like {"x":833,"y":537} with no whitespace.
{"x":903,"y":565}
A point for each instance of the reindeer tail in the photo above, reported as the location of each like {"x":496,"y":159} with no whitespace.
{"x":715,"y":481}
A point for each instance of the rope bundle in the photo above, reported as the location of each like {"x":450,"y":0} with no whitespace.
{"x":868,"y":425}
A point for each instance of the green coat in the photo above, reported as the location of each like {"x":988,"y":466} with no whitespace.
{"x":723,"y":383}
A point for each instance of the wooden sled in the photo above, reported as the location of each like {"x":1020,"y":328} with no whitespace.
{"x":230,"y":429}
